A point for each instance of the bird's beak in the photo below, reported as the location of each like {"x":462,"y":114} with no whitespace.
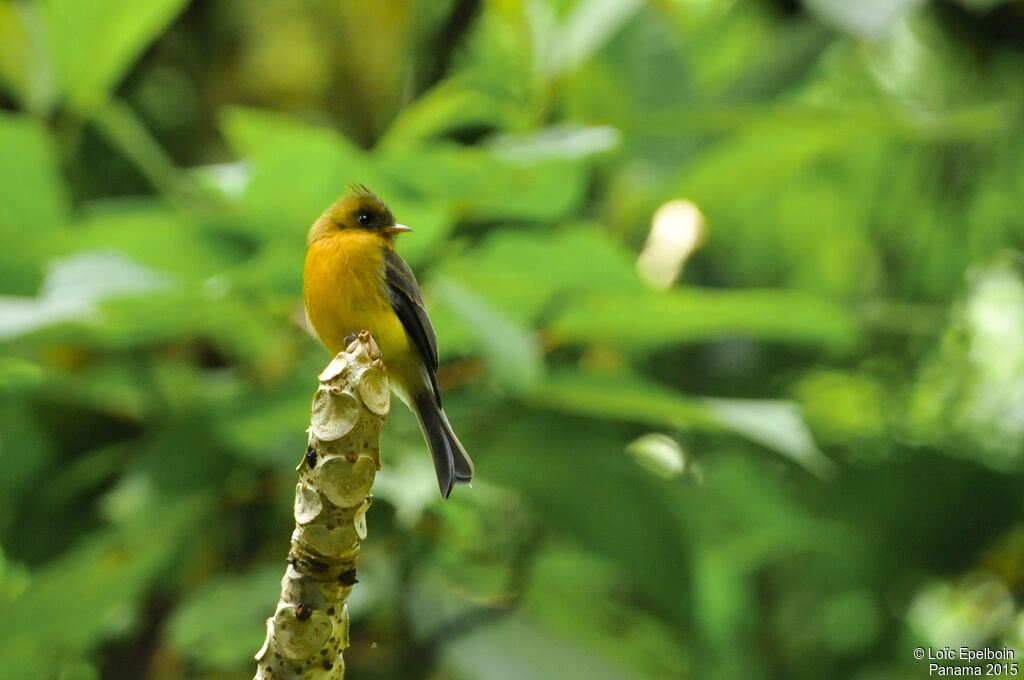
{"x":397,"y":229}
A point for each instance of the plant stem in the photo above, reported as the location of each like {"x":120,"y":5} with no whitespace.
{"x":309,"y":629}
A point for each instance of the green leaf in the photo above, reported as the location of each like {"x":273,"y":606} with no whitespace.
{"x":91,"y":593}
{"x":242,"y":329}
{"x":454,"y":103}
{"x":32,"y":192}
{"x":646,"y":320}
{"x":155,"y":237}
{"x":560,"y":47}
{"x":623,"y":397}
{"x":25,"y":448}
{"x":297,"y":170}
{"x":19,"y":374}
{"x":432,"y":221}
{"x":220,"y":626}
{"x":776,"y":425}
{"x":524,"y":273}
{"x":405,"y":482}
{"x":590,"y":25}
{"x":262,"y":426}
{"x":73,"y":288}
{"x":25,"y":68}
{"x":566,"y":142}
{"x":983,"y":5}
{"x":865,"y":18}
{"x":495,"y":652}
{"x":94,"y":42}
{"x":126,"y":132}
{"x":485,"y":185}
{"x":575,"y":473}
{"x":511,"y":352}
{"x":588,"y":600}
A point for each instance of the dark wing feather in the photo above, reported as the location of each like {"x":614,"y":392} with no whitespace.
{"x":407,"y":302}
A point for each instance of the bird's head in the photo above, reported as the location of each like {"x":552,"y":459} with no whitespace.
{"x":359,"y":210}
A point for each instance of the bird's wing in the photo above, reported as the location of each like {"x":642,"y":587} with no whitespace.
{"x":407,"y":302}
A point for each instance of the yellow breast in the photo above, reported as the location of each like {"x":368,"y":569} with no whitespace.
{"x":344,"y":289}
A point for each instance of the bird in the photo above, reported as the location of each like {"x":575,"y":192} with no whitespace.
{"x":354,"y":279}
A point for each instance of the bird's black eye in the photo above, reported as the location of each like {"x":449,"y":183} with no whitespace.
{"x":364,"y":218}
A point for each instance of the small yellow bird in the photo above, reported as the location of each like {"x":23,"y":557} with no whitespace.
{"x":354,"y":280}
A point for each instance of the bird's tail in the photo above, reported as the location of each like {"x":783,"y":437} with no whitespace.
{"x":451,"y":462}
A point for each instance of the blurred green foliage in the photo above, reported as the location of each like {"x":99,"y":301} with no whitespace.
{"x":802,"y":460}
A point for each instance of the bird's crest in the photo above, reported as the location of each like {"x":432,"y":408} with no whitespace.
{"x":361,"y":190}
